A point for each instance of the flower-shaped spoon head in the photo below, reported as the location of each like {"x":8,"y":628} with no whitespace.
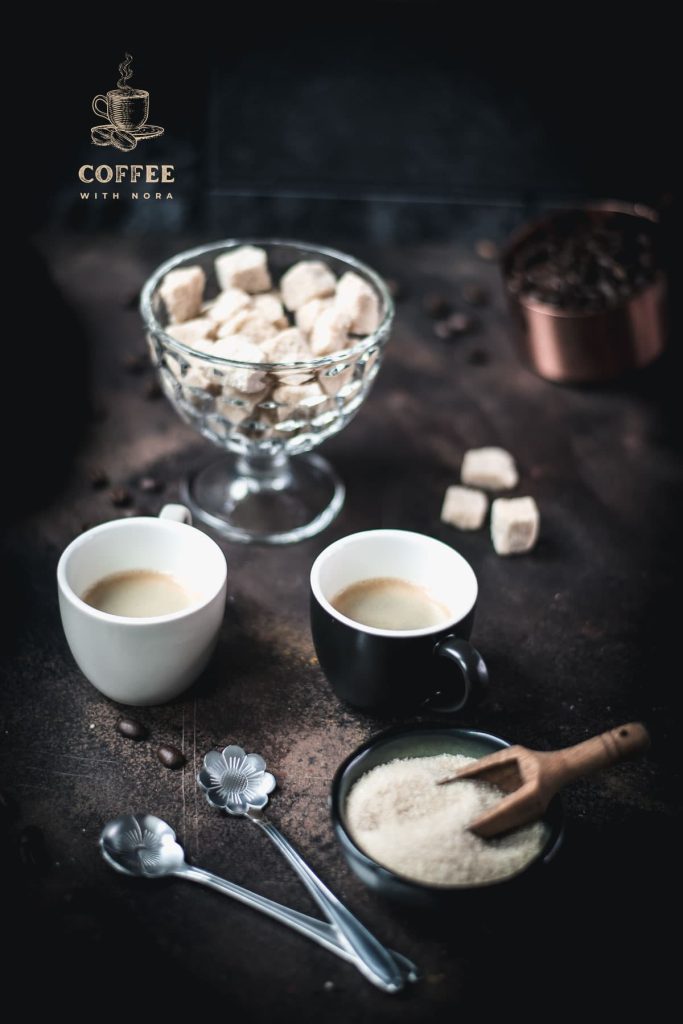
{"x":234,"y":781}
{"x":142,"y":845}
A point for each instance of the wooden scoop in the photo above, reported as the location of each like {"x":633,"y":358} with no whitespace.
{"x":533,"y":777}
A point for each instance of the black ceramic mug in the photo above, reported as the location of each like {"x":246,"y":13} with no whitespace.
{"x":397,"y":669}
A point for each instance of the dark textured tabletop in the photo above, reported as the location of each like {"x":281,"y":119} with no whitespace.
{"x":579,"y":636}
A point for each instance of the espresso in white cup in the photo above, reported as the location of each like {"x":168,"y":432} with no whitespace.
{"x":143,"y":659}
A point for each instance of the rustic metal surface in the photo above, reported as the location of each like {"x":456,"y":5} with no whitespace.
{"x":577,"y":637}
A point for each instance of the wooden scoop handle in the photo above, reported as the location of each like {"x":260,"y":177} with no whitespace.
{"x":598,"y":752}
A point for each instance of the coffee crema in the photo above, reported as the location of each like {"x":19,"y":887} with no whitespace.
{"x":389,"y":602}
{"x":139,"y":594}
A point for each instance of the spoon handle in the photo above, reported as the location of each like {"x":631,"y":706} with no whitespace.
{"x":373,"y":959}
{"x":316,"y":931}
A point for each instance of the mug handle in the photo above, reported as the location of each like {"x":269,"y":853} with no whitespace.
{"x":100,"y":113}
{"x":473,"y":672}
{"x":177,"y":514}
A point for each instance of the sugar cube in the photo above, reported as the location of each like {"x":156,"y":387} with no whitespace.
{"x":515,"y":525}
{"x":307,"y":314}
{"x":491,"y":468}
{"x":330,"y":332}
{"x":464,"y":507}
{"x":306,"y":280}
{"x":246,"y":268}
{"x":192,"y":331}
{"x":359,"y":299}
{"x":182,"y":292}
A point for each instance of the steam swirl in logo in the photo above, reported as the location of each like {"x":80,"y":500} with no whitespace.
{"x":126,"y":72}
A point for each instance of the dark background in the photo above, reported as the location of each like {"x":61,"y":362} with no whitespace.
{"x":385,"y":125}
{"x":377,"y":119}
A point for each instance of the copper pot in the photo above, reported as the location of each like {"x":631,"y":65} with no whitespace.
{"x":580,"y":347}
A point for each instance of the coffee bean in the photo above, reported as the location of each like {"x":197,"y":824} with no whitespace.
{"x":477,"y":357}
{"x":474,"y":294}
{"x":136,"y":362}
{"x":486,"y":249}
{"x":170,"y":756}
{"x":132,"y":301}
{"x":33,"y":853}
{"x":120,"y":497}
{"x":436,"y":306}
{"x":98,"y":478}
{"x":584,"y":263}
{"x":132,"y":729}
{"x":153,"y":391}
{"x":150,"y":485}
{"x":442,"y":330}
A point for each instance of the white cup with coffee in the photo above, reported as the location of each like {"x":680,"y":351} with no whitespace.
{"x":142,"y":601}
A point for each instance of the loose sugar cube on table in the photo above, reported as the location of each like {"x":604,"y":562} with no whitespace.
{"x":331,"y":332}
{"x":192,"y":331}
{"x":309,"y":279}
{"x":245,"y":268}
{"x":357,"y":298}
{"x":491,"y":468}
{"x":182,"y":291}
{"x":464,"y":508}
{"x":515,"y":525}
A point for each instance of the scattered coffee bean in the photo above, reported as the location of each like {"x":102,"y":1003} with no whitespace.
{"x":120,"y":497}
{"x":132,"y":301}
{"x":132,"y":729}
{"x":153,"y":391}
{"x":136,"y":362}
{"x":436,"y":306}
{"x":150,"y":485}
{"x":442,"y":330}
{"x":33,"y":853}
{"x":170,"y":756}
{"x":477,"y":357}
{"x":84,"y":527}
{"x":474,"y":294}
{"x":98,"y":478}
{"x":486,"y":249}
{"x":131,"y":513}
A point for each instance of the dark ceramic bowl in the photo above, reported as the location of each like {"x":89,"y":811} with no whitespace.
{"x":424,"y":741}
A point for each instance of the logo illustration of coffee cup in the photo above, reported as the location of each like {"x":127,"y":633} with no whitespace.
{"x":125,"y":111}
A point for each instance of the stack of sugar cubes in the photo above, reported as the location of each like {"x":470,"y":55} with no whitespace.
{"x":515,"y":522}
{"x":311,"y":315}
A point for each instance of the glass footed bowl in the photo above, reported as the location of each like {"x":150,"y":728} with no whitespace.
{"x":265,"y":487}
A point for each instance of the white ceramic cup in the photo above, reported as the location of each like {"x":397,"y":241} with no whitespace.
{"x":143,"y":660}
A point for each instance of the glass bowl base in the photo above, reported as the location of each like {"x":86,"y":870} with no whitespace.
{"x":265,"y":499}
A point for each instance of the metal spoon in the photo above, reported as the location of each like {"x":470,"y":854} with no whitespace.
{"x":144,"y":846}
{"x":239,"y":784}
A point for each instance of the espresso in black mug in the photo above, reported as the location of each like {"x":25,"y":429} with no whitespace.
{"x":414,"y":599}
